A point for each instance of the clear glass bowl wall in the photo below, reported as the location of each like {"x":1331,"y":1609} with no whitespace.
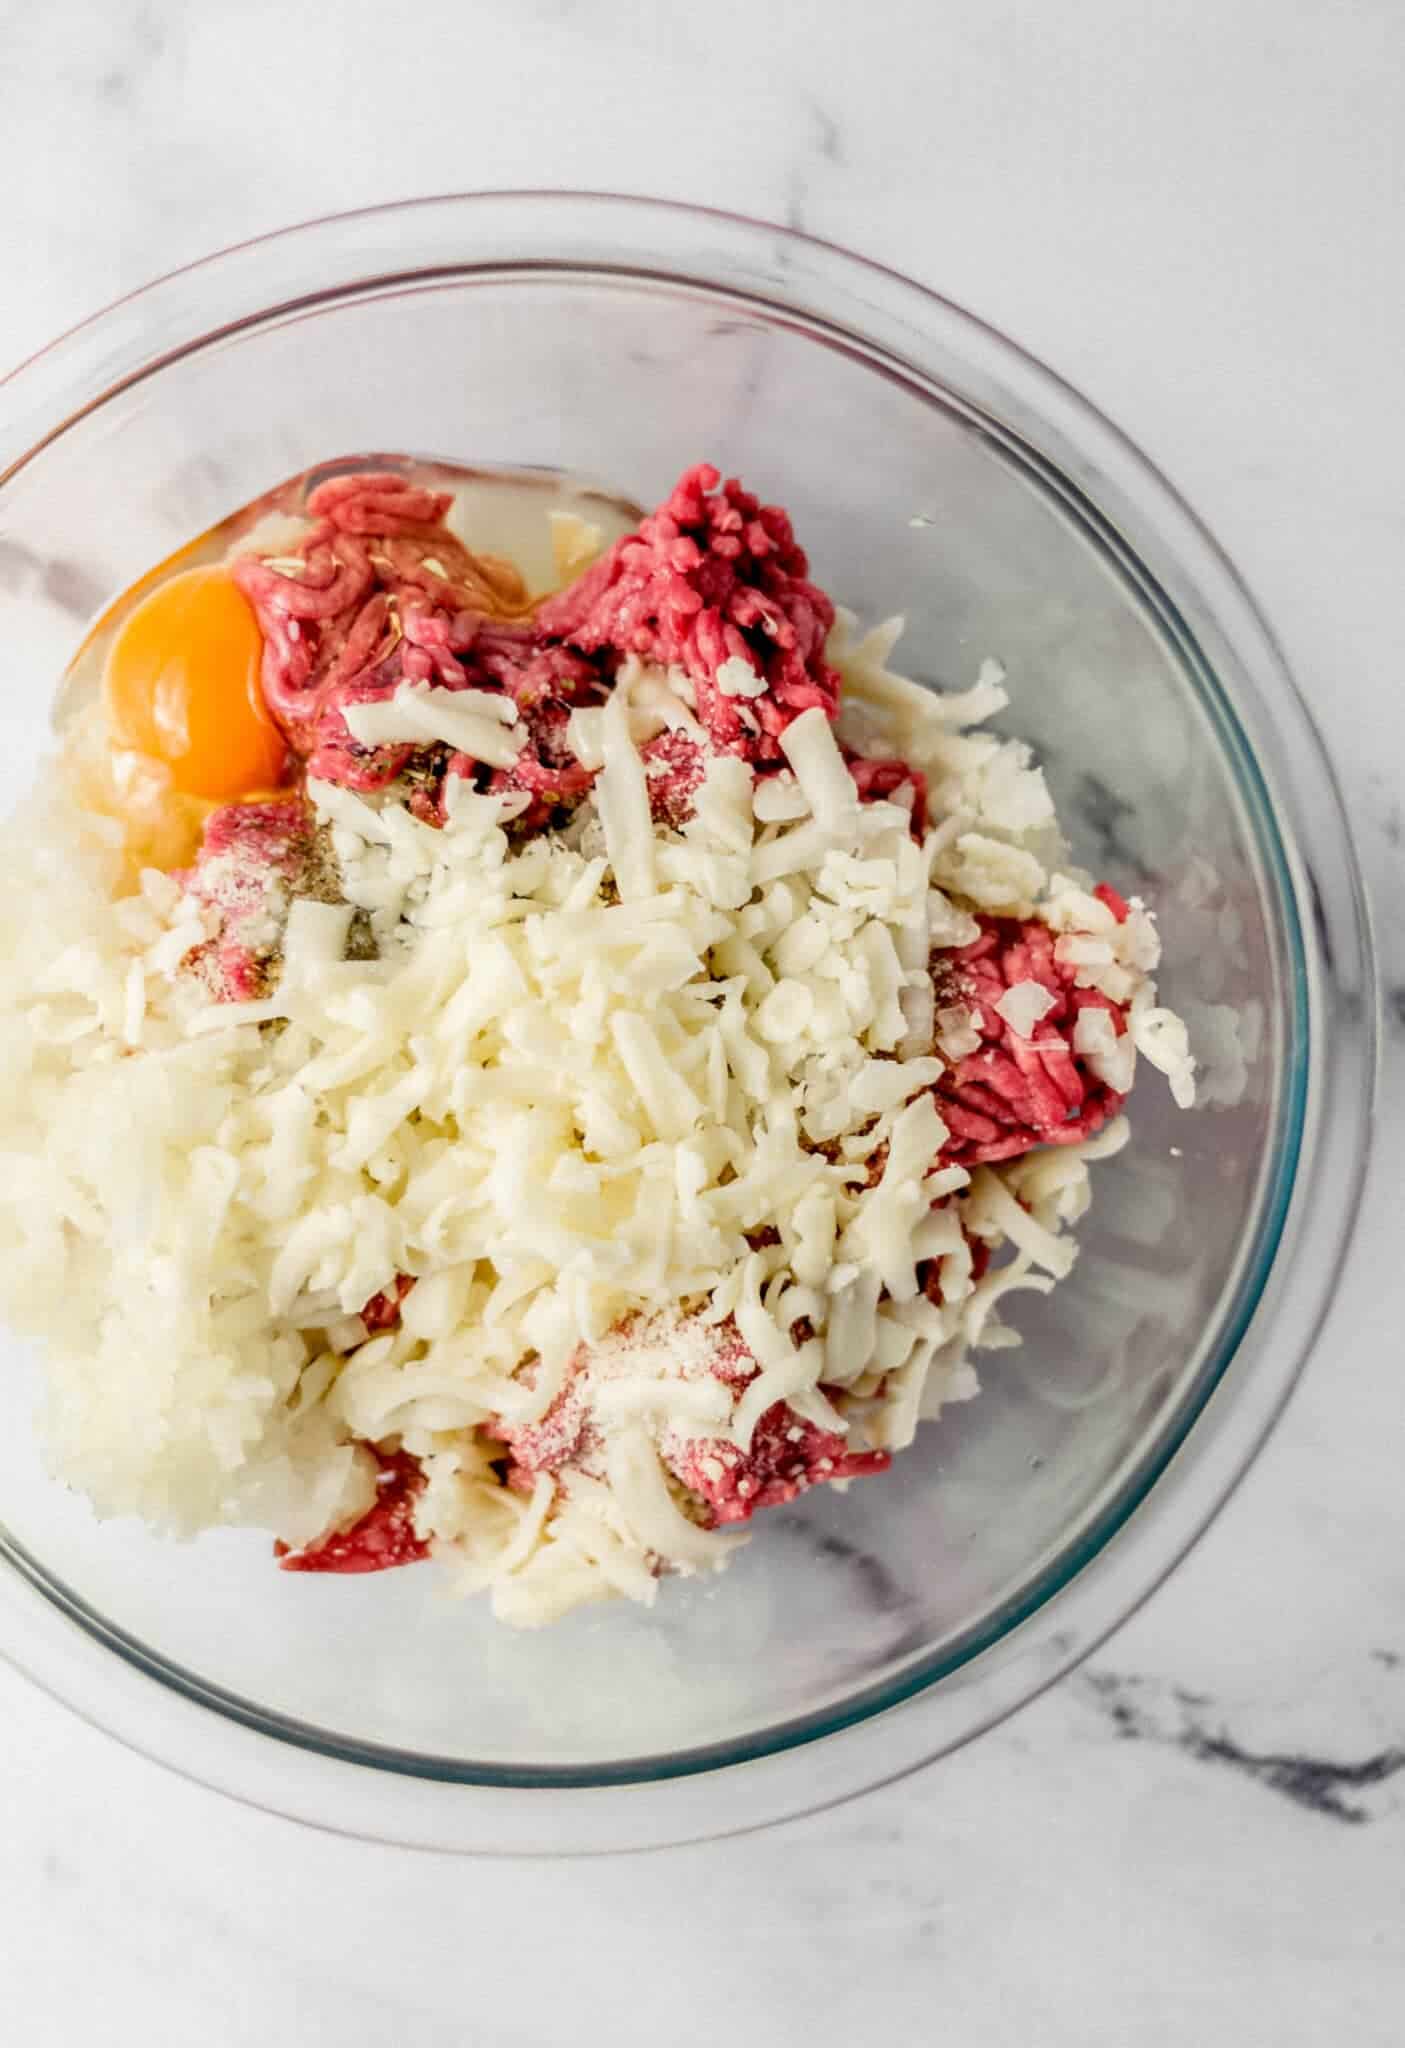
{"x":931,"y":471}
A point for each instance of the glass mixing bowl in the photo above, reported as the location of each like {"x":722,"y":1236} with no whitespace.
{"x":931,"y":468}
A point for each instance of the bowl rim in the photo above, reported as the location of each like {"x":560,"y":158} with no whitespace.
{"x":94,"y":361}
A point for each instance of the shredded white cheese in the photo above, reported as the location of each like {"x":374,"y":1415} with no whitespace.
{"x":737,"y":678}
{"x":585,"y":1084}
{"x":476,"y":722}
{"x":1023,"y":1005}
{"x":622,"y":801}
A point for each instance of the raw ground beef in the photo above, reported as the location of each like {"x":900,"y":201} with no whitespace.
{"x":1015,"y":1092}
{"x":786,"y":1455}
{"x":785,"y":1458}
{"x":380,"y":591}
{"x":382,"y":1311}
{"x":254,"y":858}
{"x":713,"y":575}
{"x":674,"y":766}
{"x":877,"y":780}
{"x":384,"y":1536}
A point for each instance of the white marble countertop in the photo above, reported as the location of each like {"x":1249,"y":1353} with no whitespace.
{"x":1195,"y":213}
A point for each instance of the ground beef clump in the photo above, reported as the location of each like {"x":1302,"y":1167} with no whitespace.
{"x":384,"y":1536}
{"x":1016,"y":1092}
{"x":786,"y":1455}
{"x":713,"y":576}
{"x":877,"y":781}
{"x":674,"y":766}
{"x":381,"y":592}
{"x":254,"y":859}
{"x":382,"y":1311}
{"x":378,"y":592}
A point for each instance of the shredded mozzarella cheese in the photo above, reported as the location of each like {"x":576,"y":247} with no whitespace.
{"x":632,"y":1072}
{"x":477,"y":722}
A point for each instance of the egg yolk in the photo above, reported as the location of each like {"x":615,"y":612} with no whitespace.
{"x":181,"y":686}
